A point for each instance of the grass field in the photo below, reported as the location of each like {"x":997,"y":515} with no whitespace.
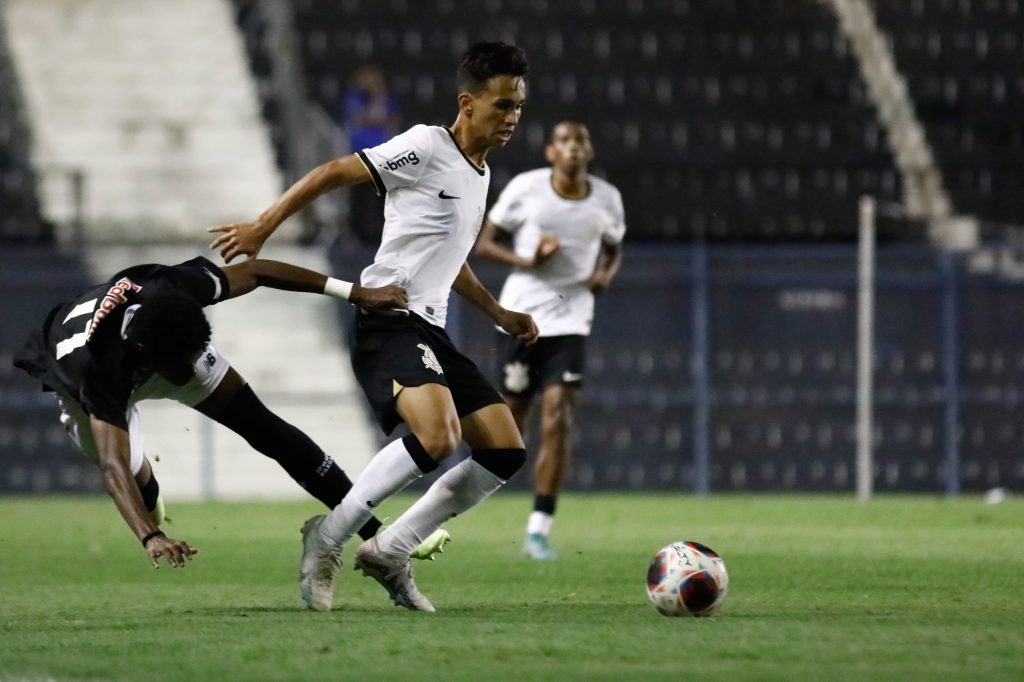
{"x":821,"y":588}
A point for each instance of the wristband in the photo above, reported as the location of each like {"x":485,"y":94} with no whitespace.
{"x":338,"y":288}
{"x":151,"y":536}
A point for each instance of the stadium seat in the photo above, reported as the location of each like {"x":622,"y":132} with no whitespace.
{"x":960,"y":60}
{"x":729,"y":108}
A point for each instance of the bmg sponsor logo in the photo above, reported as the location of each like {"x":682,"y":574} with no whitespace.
{"x":114,"y":297}
{"x":409,"y":158}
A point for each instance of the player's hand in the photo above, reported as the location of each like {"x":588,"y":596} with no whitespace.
{"x":546,"y":248}
{"x":598,"y":284}
{"x":176,"y":551}
{"x":519,"y":325}
{"x":391,"y":297}
{"x":237,"y":239}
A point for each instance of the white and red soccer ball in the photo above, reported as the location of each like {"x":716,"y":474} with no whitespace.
{"x":687,"y":578}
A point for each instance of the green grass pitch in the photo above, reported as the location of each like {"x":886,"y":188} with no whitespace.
{"x":821,"y":588}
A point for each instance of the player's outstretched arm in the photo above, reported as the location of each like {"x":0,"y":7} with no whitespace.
{"x":519,"y":325}
{"x":112,"y":444}
{"x":251,"y":274}
{"x":247,"y":238}
{"x":493,"y":245}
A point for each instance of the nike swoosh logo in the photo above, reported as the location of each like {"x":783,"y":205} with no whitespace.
{"x":446,"y":196}
{"x":371,"y":504}
{"x":570,"y":377}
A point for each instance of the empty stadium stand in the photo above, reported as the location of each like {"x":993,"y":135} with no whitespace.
{"x":20,"y":219}
{"x":742,"y":121}
{"x":34,"y":275}
{"x":961,"y":59}
{"x":733,"y":120}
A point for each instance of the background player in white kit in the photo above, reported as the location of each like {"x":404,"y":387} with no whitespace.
{"x":566,"y":227}
{"x":435,"y":184}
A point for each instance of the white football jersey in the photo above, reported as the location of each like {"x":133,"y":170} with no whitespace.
{"x":433,"y":209}
{"x":555,"y":293}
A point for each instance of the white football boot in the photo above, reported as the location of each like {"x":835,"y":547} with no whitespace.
{"x":319,"y":566}
{"x":394,"y":574}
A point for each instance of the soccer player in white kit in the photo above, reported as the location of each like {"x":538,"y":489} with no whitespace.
{"x":434,"y":180}
{"x":565,"y":228}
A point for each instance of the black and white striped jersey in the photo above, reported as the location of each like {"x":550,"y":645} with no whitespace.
{"x":79,"y":353}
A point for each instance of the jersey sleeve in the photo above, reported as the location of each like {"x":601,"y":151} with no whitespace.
{"x":198,"y":278}
{"x":508,"y":213}
{"x":400,"y":161}
{"x":616,"y":228}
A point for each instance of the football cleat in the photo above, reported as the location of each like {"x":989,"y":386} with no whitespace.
{"x":536,"y":547}
{"x":394,"y":574}
{"x":434,"y":544}
{"x":319,"y":566}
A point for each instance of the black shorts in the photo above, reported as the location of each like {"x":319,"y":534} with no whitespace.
{"x":392,"y":353}
{"x":524,"y":370}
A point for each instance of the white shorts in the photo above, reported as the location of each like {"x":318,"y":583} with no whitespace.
{"x":210,"y":370}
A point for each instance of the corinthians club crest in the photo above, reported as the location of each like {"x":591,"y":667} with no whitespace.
{"x":517,"y":377}
{"x":429,"y":359}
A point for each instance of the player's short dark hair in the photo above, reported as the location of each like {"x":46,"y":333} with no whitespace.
{"x":483,"y":61}
{"x":170,"y":326}
{"x":565,"y":122}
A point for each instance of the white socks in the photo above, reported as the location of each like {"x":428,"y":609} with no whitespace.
{"x":390,"y":470}
{"x":539,"y":523}
{"x":459,"y":489}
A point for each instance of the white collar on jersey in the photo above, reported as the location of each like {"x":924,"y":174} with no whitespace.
{"x":129,"y":313}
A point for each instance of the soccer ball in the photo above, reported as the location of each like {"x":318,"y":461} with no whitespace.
{"x":687,"y":578}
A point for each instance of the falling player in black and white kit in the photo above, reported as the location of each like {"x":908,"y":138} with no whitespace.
{"x":566,"y":228}
{"x":435,"y":184}
{"x":142,"y":335}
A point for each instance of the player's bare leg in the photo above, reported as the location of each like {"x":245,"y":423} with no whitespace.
{"x":395,"y":466}
{"x":430,"y":414}
{"x":149,"y":488}
{"x":558,"y":404}
{"x":498,"y":452}
{"x":521,"y":408}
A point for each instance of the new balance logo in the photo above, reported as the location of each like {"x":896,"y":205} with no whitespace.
{"x":325,"y":466}
{"x":446,"y":196}
{"x":407,"y":159}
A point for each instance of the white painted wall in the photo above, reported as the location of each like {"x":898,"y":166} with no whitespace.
{"x":154,"y":102}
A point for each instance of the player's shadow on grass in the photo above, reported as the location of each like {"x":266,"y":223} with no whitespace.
{"x":249,"y":611}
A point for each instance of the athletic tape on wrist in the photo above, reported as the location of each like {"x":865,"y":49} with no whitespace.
{"x":338,"y":288}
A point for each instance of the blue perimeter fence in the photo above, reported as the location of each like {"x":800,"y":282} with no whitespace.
{"x":710,"y":368}
{"x":720,"y":367}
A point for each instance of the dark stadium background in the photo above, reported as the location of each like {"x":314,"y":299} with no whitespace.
{"x":742,"y":136}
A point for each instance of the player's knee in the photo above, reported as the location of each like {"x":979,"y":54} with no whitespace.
{"x":502,"y":462}
{"x":557,"y":417}
{"x":441,"y":439}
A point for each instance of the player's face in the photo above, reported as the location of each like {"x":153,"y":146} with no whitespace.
{"x":497,"y":108}
{"x":570,"y":148}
